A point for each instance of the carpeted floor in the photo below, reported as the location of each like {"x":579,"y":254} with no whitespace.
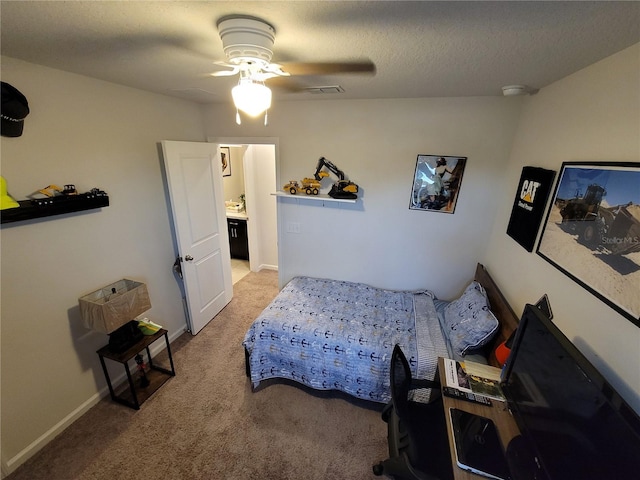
{"x":206,"y":423}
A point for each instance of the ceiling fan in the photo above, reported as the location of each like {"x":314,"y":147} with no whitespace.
{"x":248,"y":47}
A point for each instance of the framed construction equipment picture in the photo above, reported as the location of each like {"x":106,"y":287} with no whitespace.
{"x":592,"y":231}
{"x":225,"y":158}
{"x":436,"y":183}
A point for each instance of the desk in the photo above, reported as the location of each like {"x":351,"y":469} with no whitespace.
{"x":135,"y":395}
{"x":505,"y":424}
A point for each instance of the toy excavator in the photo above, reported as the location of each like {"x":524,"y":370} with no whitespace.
{"x":340,"y":189}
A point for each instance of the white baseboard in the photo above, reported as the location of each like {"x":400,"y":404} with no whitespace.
{"x":50,"y":434}
{"x":12,"y":464}
{"x":267,"y":267}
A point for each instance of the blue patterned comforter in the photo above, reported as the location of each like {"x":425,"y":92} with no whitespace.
{"x":336,"y":335}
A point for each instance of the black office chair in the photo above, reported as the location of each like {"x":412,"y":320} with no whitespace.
{"x":417,"y":435}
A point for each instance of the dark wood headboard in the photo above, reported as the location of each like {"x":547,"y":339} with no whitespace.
{"x":500,"y":308}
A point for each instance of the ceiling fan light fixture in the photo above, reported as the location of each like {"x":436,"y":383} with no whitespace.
{"x":246,"y":39}
{"x":515,"y":90}
{"x":253,"y":98}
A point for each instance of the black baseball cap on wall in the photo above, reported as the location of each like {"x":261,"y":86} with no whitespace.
{"x":14,"y":110}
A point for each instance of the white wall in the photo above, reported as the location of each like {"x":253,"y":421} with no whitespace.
{"x":375,"y":142}
{"x":592,"y":115}
{"x":93,"y":134}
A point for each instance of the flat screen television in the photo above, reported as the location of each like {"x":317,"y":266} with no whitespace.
{"x":573,"y":424}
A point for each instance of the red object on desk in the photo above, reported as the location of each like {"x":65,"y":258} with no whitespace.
{"x":502,"y":353}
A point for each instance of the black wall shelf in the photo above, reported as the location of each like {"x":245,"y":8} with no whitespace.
{"x":30,"y":209}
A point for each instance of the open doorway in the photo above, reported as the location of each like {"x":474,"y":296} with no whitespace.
{"x":249,"y":180}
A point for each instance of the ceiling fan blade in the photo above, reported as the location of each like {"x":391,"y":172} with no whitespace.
{"x":225,"y":73}
{"x":263,"y":76}
{"x":285,"y":84}
{"x":275,"y":69}
{"x":304,"y":68}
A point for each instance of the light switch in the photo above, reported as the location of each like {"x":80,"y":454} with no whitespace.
{"x":293,"y":227}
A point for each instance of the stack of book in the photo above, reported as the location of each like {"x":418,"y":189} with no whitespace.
{"x":472,"y":377}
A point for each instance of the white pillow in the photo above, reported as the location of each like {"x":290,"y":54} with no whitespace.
{"x":469,"y":322}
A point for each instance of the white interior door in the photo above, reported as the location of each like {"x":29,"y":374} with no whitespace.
{"x":194,"y":178}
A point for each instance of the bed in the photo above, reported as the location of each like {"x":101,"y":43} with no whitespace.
{"x":337,"y":335}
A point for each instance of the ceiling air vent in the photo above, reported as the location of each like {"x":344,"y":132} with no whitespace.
{"x":327,"y":89}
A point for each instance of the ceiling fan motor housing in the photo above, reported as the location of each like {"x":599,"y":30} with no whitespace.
{"x":247,"y":40}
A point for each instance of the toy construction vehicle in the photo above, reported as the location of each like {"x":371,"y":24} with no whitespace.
{"x":310,"y":186}
{"x":340,"y":189}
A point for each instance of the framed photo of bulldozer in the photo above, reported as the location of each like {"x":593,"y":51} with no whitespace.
{"x":592,"y":231}
{"x":436,"y":183}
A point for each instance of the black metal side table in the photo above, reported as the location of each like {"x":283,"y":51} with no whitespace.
{"x":137,"y":394}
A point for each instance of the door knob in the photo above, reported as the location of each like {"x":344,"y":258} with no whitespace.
{"x":188,"y":258}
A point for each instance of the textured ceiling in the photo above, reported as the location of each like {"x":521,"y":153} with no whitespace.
{"x":420,"y":49}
